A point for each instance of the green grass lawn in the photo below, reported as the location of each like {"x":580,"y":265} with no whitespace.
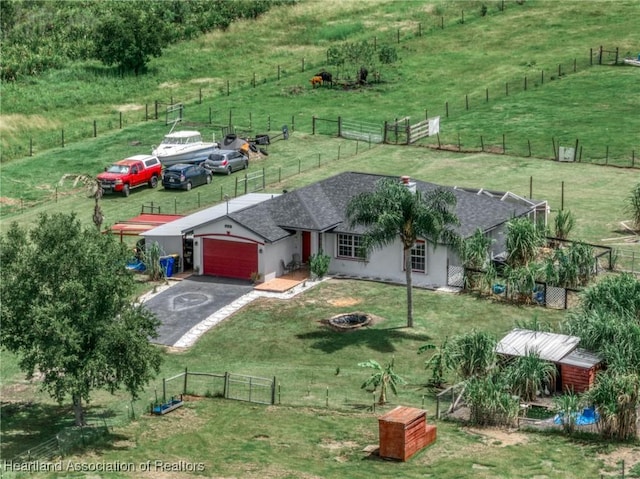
{"x":302,"y":437}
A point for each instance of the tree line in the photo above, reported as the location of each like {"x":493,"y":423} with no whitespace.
{"x":39,"y":35}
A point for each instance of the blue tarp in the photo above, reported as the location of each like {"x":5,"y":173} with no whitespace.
{"x":586,"y":417}
{"x":136,"y":265}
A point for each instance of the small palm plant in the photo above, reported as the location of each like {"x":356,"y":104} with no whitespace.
{"x":385,"y":378}
{"x":524,"y":239}
{"x":475,"y":254}
{"x":567,"y":406}
{"x":633,"y":206}
{"x":529,"y":374}
{"x":564,"y":223}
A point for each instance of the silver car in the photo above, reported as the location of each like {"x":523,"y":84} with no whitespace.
{"x":226,"y":161}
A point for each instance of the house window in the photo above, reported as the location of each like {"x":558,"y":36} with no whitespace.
{"x":419,"y":257}
{"x":349,"y":246}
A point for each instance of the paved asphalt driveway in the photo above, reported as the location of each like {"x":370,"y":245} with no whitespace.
{"x":190,"y":301}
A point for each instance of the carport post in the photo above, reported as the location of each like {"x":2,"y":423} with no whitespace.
{"x":164,"y":391}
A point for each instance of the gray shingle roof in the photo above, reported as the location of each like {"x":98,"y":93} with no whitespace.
{"x":322,"y":206}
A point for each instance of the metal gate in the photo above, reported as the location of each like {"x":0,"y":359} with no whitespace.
{"x":360,"y":130}
{"x":250,"y":388}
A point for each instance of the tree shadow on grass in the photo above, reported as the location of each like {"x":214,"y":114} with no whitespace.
{"x":381,"y":340}
{"x":26,"y":424}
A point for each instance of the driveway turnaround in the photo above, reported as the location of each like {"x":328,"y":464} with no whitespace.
{"x":191,"y":301}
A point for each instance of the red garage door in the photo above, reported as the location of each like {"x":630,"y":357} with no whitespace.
{"x":230,"y":259}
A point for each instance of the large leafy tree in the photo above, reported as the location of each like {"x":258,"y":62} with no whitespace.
{"x":67,"y":312}
{"x":128,"y":36}
{"x":393,"y":211}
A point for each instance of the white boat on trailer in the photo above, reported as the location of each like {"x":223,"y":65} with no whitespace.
{"x":183,"y":147}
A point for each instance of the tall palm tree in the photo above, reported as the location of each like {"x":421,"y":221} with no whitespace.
{"x":393,"y":211}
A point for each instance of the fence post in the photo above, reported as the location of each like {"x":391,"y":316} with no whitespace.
{"x":164,"y":391}
{"x":318,"y":160}
{"x":227,"y":87}
{"x":327,"y":400}
{"x":562,"y":196}
{"x":506,"y":88}
{"x":226,"y":385}
{"x":481,"y":143}
{"x":525,"y":83}
{"x":504,"y":144}
{"x":200,"y":96}
{"x":487,"y":95}
{"x":62,"y":136}
{"x":263,"y":179}
{"x":446,"y":107}
{"x":246,"y":183}
{"x":273,"y":391}
{"x":339,"y":127}
{"x":184,"y":389}
{"x":95,"y":129}
{"x":121,"y":120}
{"x":384,"y":134}
{"x":542,"y":77}
{"x":339,"y":146}
{"x":303,"y":64}
{"x":529,"y":145}
{"x":313,"y":125}
{"x":299,"y":165}
{"x":278,"y":72}
{"x":30,"y":146}
{"x":466,"y":100}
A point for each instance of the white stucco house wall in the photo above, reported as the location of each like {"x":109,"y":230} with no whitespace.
{"x":261,"y":233}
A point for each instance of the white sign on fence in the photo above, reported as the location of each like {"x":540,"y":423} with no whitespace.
{"x":434,"y":126}
{"x":566,"y":154}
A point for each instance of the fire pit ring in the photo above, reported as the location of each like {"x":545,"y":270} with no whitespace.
{"x":349,"y":321}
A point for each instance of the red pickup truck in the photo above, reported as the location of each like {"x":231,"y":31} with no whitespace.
{"x":130,"y":173}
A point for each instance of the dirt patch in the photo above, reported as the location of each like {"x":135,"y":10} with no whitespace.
{"x":613,"y":460}
{"x":499,"y":437}
{"x":348,"y":301}
{"x":335,"y":445}
{"x":129,"y":107}
{"x":9,"y":201}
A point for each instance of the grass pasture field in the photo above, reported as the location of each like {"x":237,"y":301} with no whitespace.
{"x":303,"y":437}
{"x":324,"y":420}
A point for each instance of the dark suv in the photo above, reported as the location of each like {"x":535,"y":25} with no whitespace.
{"x":226,"y":161}
{"x":185,"y":176}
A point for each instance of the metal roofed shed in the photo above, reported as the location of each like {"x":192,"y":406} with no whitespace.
{"x":577,"y":368}
{"x":549,"y":346}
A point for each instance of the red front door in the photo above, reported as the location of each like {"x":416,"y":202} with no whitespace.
{"x":306,"y":246}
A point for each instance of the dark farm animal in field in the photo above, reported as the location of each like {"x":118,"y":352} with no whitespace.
{"x":316,"y":81}
{"x":362,"y":75}
{"x":326,"y":77}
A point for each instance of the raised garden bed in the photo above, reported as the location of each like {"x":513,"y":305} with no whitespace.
{"x":164,"y":408}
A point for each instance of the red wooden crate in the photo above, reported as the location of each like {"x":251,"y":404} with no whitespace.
{"x":403,"y":432}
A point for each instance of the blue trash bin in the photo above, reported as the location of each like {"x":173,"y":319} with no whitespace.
{"x":166,"y":263}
